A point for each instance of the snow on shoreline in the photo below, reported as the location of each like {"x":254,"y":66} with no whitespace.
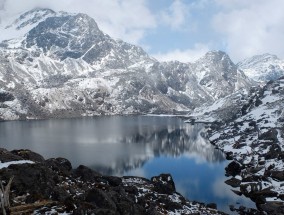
{"x":7,"y":164}
{"x":253,"y":139}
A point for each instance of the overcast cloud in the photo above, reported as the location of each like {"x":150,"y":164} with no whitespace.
{"x":188,"y":55}
{"x":176,"y":15}
{"x":180,"y":29}
{"x":251,"y":27}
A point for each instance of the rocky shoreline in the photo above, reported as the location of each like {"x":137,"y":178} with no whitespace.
{"x":52,"y":186}
{"x":254,"y":140}
{"x":252,"y":137}
{"x":256,"y":172}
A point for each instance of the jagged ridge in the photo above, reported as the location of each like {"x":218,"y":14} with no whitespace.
{"x":65,"y":66}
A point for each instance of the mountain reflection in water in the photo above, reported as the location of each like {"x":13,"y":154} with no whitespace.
{"x":164,"y":140}
{"x":131,"y":145}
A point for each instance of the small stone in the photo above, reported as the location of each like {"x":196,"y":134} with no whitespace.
{"x":212,"y":205}
{"x":234,"y":168}
{"x":233,"y":182}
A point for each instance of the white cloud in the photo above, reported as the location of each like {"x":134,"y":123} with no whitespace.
{"x":242,"y":28}
{"x":128,"y":20}
{"x":188,"y":55}
{"x":2,"y":3}
{"x":176,"y":15}
{"x":251,"y":27}
{"x":233,"y":4}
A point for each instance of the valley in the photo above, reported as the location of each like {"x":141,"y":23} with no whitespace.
{"x":59,"y":65}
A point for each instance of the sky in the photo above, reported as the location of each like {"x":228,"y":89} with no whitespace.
{"x":181,"y":30}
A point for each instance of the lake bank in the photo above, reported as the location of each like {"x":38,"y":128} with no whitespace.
{"x":142,"y":146}
{"x":53,"y":186}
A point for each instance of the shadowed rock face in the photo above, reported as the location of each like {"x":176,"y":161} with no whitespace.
{"x":78,"y":36}
{"x":72,"y":35}
{"x":6,"y":96}
{"x":48,"y":185}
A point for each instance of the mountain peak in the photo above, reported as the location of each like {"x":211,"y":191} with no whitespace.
{"x":216,"y":73}
{"x":263,"y":67}
{"x":256,"y":59}
{"x":17,"y":26}
{"x":71,"y":67}
{"x":217,"y":56}
{"x":70,"y":35}
{"x":31,"y":17}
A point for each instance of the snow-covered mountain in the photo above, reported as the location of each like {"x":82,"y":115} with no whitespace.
{"x":263,"y":67}
{"x":62,"y":65}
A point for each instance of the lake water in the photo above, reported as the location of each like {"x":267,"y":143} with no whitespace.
{"x":132,"y":145}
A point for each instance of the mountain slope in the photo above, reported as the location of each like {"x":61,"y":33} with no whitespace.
{"x":264,"y":67}
{"x":218,"y":75}
{"x":250,"y":131}
{"x":65,"y":66}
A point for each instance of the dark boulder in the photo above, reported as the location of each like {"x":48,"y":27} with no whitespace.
{"x":6,"y":156}
{"x":269,"y":135}
{"x":27,"y":154}
{"x":234,"y":168}
{"x":112,"y":180}
{"x":164,"y":183}
{"x":6,"y":96}
{"x":131,"y":190}
{"x":239,"y":193}
{"x":128,"y":208}
{"x":256,"y":193}
{"x":273,"y":152}
{"x":246,"y":211}
{"x":281,"y":155}
{"x":267,"y":192}
{"x":100,"y":199}
{"x":258,"y":102}
{"x":252,"y":178}
{"x":85,"y":173}
{"x":252,"y":123}
{"x":233,"y":182}
{"x":172,"y":206}
{"x":229,"y":155}
{"x":278,"y":175}
{"x":273,"y":208}
{"x":249,"y":189}
{"x":61,"y":165}
{"x":212,"y":205}
{"x":35,"y":179}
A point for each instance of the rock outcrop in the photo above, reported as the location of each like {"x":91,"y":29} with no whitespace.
{"x":253,"y":138}
{"x":53,"y":186}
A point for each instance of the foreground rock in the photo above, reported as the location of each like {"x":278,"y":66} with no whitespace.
{"x":52,"y":186}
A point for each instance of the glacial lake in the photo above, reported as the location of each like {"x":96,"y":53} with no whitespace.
{"x":132,"y":145}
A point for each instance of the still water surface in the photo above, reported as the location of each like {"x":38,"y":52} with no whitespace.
{"x":132,"y":145}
